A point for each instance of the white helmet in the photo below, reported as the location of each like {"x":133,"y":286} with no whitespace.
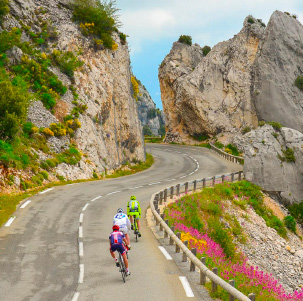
{"x":120,"y":210}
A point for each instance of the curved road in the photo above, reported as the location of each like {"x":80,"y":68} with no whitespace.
{"x":57,"y":247}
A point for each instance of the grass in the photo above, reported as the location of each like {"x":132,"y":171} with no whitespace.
{"x":8,"y":203}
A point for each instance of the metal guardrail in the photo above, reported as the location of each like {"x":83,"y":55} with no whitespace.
{"x":227,"y":156}
{"x":158,"y":198}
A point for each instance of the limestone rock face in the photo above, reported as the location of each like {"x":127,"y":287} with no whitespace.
{"x":240,"y":82}
{"x":267,"y":164}
{"x":110,"y":132}
{"x":278,"y":63}
{"x":148,"y":113}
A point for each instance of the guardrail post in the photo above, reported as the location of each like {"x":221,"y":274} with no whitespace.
{"x":157,"y":197}
{"x":252,"y":297}
{"x":165,"y":232}
{"x":171,"y":241}
{"x":214,"y":286}
{"x":161,"y":227}
{"x":186,"y":187}
{"x":204,"y":182}
{"x":165,"y":194}
{"x":214,"y":180}
{"x":161,"y":197}
{"x":171,"y":192}
{"x":157,"y":222}
{"x":231,"y":297}
{"x":177,"y":247}
{"x":178,"y":190}
{"x":240,"y":175}
{"x":232,"y":177}
{"x":192,"y":265}
{"x":223,"y":178}
{"x":184,"y":257}
{"x":195,"y":185}
{"x":202,"y":275}
{"x":156,"y":205}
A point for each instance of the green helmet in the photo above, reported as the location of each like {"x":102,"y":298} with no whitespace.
{"x":132,"y":197}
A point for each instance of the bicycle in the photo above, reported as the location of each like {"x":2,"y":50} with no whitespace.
{"x":136,"y":228}
{"x":122,"y":268}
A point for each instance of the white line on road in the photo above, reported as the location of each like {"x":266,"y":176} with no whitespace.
{"x":25,"y":204}
{"x":98,"y":197}
{"x":167,"y":256}
{"x":84,"y":208}
{"x":80,"y":232}
{"x":183,"y":177}
{"x":81,"y":251}
{"x":113,"y":192}
{"x":135,"y":187}
{"x":10,"y":221}
{"x":198,"y":165}
{"x":188,"y":291}
{"x":169,"y":180}
{"x":191,"y":173}
{"x":47,"y":190}
{"x":154,"y":183}
{"x":76,"y":296}
{"x":81,"y":274}
{"x":81,"y":218}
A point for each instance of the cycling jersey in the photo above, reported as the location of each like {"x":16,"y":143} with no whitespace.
{"x":116,"y":242}
{"x":133,"y":208}
{"x":122,"y":221}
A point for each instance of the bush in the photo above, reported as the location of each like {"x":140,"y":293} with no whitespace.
{"x":245,"y":130}
{"x":290,"y":223}
{"x":219,"y":144}
{"x":299,"y":82}
{"x":161,"y":130}
{"x":4,"y":9}
{"x":206,"y":49}
{"x":289,"y":155}
{"x":251,"y":20}
{"x":8,"y":38}
{"x":98,"y":18}
{"x":232,"y":150}
{"x":147,"y":131}
{"x":185,"y":39}
{"x":296,"y":210}
{"x":135,"y":86}
{"x":58,"y":129}
{"x":95,"y":176}
{"x":200,"y":136}
{"x":48,"y":100}
{"x":14,"y":103}
{"x":261,"y":123}
{"x":276,"y":125}
{"x":151,"y":113}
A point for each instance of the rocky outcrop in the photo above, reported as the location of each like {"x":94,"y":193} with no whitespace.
{"x":149,"y":115}
{"x":273,"y":159}
{"x":240,"y":82}
{"x":110,"y":132}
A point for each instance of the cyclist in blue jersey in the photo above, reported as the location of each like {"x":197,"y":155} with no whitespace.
{"x":116,"y":239}
{"x":123,"y":222}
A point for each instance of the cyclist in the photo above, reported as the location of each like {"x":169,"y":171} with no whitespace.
{"x":123,"y":222}
{"x":134,"y":211}
{"x":116,"y":239}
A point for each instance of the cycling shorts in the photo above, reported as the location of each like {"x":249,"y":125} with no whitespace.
{"x":123,"y":229}
{"x":136,"y":214}
{"x":117,"y":247}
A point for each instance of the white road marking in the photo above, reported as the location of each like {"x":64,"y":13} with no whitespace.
{"x":81,"y":251}
{"x":169,"y":180}
{"x":76,"y":296}
{"x":183,"y":177}
{"x":25,"y":204}
{"x":198,"y":165}
{"x":81,"y":218}
{"x":190,"y":173}
{"x":10,"y":221}
{"x":188,"y":291}
{"x":113,"y":192}
{"x":154,"y":183}
{"x":81,"y":274}
{"x":80,"y":232}
{"x":47,"y":190}
{"x":84,"y":208}
{"x":98,"y":197}
{"x":135,"y":187}
{"x":167,"y":256}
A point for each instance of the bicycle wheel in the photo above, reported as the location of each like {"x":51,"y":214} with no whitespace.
{"x":136,"y":229}
{"x":122,"y":267}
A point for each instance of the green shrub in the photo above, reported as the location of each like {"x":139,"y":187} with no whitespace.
{"x":44,"y":174}
{"x":276,"y":125}
{"x":98,"y":18}
{"x":52,"y":162}
{"x":95,"y":176}
{"x":296,"y":210}
{"x":232,"y":149}
{"x":200,"y":136}
{"x":71,"y":156}
{"x":122,"y":38}
{"x":245,"y":130}
{"x":4,"y":9}
{"x":147,"y":131}
{"x":299,"y":82}
{"x":206,"y":49}
{"x":151,"y":114}
{"x":161,"y":130}
{"x":44,"y":165}
{"x":289,"y":155}
{"x":185,"y":39}
{"x":251,"y":20}
{"x":219,"y":144}
{"x":14,"y":103}
{"x":8,"y":39}
{"x":290,"y":223}
{"x":48,"y":100}
{"x":261,"y":123}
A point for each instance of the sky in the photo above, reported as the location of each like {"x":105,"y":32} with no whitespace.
{"x":153,"y":26}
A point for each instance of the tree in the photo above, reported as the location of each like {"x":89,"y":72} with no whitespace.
{"x":185,"y":39}
{"x":147,"y":131}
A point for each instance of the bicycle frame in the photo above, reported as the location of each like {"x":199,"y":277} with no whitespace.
{"x":122,"y":268}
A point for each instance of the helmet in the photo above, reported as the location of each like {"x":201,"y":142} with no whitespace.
{"x":120,"y":210}
{"x":132,"y":197}
{"x":116,"y":227}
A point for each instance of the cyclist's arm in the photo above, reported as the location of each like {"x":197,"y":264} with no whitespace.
{"x":139,"y":209}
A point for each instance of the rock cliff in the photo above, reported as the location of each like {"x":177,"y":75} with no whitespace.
{"x":239,"y":82}
{"x":99,"y":92}
{"x":151,"y":118}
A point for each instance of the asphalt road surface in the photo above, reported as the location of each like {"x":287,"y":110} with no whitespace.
{"x":57,"y":246}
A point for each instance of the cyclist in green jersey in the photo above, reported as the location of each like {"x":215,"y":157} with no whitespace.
{"x":134,"y":211}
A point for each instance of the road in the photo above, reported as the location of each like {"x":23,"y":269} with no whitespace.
{"x":45,"y":256}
